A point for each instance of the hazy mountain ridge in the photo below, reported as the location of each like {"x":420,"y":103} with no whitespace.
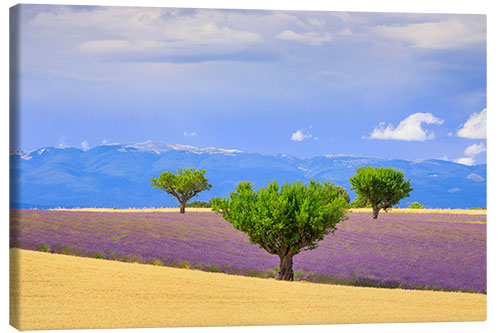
{"x":117,"y":175}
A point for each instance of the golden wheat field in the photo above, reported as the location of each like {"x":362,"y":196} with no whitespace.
{"x":53,"y":291}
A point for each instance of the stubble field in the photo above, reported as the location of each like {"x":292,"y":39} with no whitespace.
{"x":54,"y":291}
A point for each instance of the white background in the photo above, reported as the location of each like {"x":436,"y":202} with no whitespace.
{"x":420,"y":6}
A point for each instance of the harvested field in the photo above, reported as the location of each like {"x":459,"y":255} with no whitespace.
{"x":53,"y":291}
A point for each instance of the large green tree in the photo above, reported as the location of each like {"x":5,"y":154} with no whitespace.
{"x":183,"y":185}
{"x":381,"y":187}
{"x":284,"y":220}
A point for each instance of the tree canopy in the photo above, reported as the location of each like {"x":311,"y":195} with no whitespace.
{"x":416,"y":205}
{"x":284,"y":220}
{"x":183,"y":185}
{"x":343,"y":192}
{"x":360,"y":202}
{"x":381,"y":187}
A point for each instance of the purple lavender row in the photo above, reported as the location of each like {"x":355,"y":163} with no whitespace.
{"x":428,"y":251}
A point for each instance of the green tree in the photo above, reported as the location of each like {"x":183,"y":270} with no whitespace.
{"x":381,"y":187}
{"x":359,"y":202}
{"x":199,"y":204}
{"x":416,"y":205}
{"x":183,"y":186}
{"x":343,"y":192}
{"x":284,"y":220}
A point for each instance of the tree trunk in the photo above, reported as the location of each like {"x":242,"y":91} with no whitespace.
{"x":286,"y":267}
{"x":182,"y":207}
{"x":375,"y":213}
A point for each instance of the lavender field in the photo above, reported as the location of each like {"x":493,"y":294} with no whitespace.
{"x":399,"y":250}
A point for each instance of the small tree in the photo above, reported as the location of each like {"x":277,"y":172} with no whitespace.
{"x":416,"y":205}
{"x":359,"y":202}
{"x":183,"y":186}
{"x":200,"y":204}
{"x":343,"y":192}
{"x":381,"y":187}
{"x":284,"y":220}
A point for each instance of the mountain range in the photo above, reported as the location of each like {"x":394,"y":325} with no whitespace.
{"x":118,"y":175}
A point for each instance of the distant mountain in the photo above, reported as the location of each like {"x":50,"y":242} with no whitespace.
{"x":117,"y":175}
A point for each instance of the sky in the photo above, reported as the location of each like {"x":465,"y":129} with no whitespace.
{"x":304,"y":83}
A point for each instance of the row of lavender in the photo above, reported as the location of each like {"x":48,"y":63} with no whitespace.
{"x":420,"y":251}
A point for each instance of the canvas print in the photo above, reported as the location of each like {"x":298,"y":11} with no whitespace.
{"x":175,"y":167}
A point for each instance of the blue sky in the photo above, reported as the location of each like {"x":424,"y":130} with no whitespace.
{"x":409,"y":86}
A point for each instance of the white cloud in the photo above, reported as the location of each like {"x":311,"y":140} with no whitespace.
{"x":452,"y":33}
{"x":474,"y":127}
{"x":105,"y":141}
{"x":141,"y":31}
{"x":85,"y":146}
{"x":470,"y":152}
{"x":62,"y":142}
{"x":311,"y":37}
{"x":475,"y":149}
{"x":209,"y":38}
{"x":344,"y":16}
{"x":409,"y":129}
{"x":465,"y":160}
{"x":300,"y":135}
{"x":190,"y":134}
{"x":316,"y":22}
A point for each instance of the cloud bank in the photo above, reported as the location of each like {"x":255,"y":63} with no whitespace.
{"x":311,"y":37}
{"x":453,"y":33}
